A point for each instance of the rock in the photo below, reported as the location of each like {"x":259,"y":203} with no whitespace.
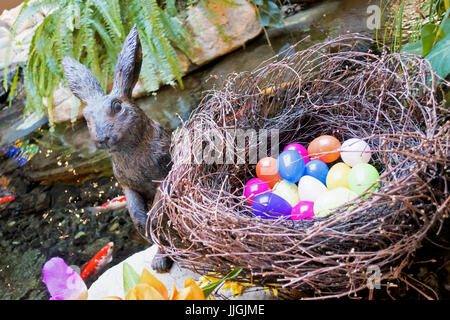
{"x":308,"y":17}
{"x":8,"y":17}
{"x":239,"y":23}
{"x":110,"y":283}
{"x":24,"y":34}
{"x":64,"y":102}
{"x":4,"y":36}
{"x":81,"y":160}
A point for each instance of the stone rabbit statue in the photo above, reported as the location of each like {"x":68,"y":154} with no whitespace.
{"x":139,"y":146}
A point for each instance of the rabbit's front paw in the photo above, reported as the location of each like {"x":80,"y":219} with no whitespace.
{"x":161,"y":264}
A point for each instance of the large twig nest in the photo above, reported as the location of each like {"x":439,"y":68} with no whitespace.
{"x":390,"y":100}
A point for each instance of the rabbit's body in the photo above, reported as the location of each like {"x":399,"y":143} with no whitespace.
{"x":136,"y":168}
{"x":138,"y":145}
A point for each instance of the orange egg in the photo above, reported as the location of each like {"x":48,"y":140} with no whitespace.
{"x":324,"y":144}
{"x":266,"y":169}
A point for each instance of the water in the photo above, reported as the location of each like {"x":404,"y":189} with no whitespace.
{"x":68,"y":174}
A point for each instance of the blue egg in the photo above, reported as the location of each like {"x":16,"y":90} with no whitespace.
{"x":317,"y":169}
{"x":290,"y":165}
{"x":270,"y":206}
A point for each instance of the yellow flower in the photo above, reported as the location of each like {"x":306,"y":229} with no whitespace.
{"x":207,"y":279}
{"x":271,"y":90}
{"x":273,"y":287}
{"x":151,"y":288}
{"x":236,"y":287}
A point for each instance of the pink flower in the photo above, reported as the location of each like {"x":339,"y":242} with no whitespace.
{"x":62,"y":282}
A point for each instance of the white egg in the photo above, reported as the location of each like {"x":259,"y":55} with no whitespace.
{"x":310,"y":188}
{"x":354,"y":151}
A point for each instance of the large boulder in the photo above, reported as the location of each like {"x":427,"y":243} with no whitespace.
{"x":24,"y":35}
{"x":228,"y":28}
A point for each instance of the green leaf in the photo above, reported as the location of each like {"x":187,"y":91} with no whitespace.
{"x":13,"y":86}
{"x":445,"y":23}
{"x":413,"y":47}
{"x":398,"y":28}
{"x":439,"y":57}
{"x":428,"y":34}
{"x":171,"y":9}
{"x":270,"y":14}
{"x":130,"y":278}
{"x":208,"y":289}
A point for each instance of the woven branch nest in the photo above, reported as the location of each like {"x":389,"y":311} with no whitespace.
{"x":389,"y":100}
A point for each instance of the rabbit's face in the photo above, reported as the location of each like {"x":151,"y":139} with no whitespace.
{"x":114,"y":122}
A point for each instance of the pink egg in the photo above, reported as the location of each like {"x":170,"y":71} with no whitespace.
{"x":253,"y":187}
{"x":303,"y":210}
{"x":300,"y":149}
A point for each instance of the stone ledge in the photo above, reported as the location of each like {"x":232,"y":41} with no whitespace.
{"x":110,"y":283}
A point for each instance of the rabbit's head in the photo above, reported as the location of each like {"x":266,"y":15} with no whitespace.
{"x":114,"y":122}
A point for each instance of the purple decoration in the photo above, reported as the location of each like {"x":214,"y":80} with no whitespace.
{"x":270,"y":206}
{"x":62,"y":282}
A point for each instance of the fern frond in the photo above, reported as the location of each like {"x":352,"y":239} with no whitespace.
{"x":108,"y":10}
{"x":93,"y":31}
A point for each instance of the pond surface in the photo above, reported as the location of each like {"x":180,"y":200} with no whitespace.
{"x":50,"y":215}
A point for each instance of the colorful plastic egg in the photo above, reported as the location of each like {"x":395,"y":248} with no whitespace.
{"x":362,"y":176}
{"x":253,"y":187}
{"x":325,"y":147}
{"x":288,"y":191}
{"x":303,"y":210}
{"x":338,"y":176}
{"x":290,"y":166}
{"x":317,"y":169}
{"x":354,"y":151}
{"x":300,"y":149}
{"x":309,"y":188}
{"x":330,"y":200}
{"x":266,"y":169}
{"x":270,"y":206}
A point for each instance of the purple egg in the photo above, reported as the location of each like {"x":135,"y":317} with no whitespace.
{"x":303,"y":210}
{"x":300,"y":149}
{"x":271,"y":206}
{"x":253,"y":187}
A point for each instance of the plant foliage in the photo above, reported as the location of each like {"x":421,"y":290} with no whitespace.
{"x":93,"y":32}
{"x":434,"y":36}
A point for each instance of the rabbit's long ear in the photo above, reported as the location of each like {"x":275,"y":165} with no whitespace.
{"x":81,"y":81}
{"x":128,"y":66}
